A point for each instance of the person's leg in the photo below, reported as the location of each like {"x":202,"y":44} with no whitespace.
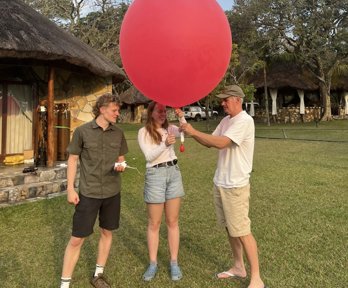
{"x":233,"y":209}
{"x":71,"y":256}
{"x":250,"y":248}
{"x":237,"y":252}
{"x":104,"y":246}
{"x":172,"y":208}
{"x":238,"y":267}
{"x":105,"y":240}
{"x":154,"y":212}
{"x":109,"y":216}
{"x":83,"y":221}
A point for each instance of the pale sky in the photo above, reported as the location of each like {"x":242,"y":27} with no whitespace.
{"x":226,"y":4}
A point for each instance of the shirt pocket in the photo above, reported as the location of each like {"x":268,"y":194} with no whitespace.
{"x":90,"y":151}
{"x":113,"y":150}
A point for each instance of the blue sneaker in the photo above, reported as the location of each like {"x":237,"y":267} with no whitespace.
{"x":175,"y":272}
{"x":150,"y":273}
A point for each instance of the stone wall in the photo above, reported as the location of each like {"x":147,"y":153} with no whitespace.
{"x":129,"y":115}
{"x":78,"y":90}
{"x":19,"y":187}
{"x":290,"y":115}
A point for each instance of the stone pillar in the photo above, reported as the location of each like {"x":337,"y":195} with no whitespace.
{"x":302,"y":104}
{"x":346,"y":98}
{"x":274,"y":101}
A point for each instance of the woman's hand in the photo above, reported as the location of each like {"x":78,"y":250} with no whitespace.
{"x":170,"y":140}
{"x":179,"y":112}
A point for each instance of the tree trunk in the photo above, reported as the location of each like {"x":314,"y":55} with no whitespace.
{"x":326,"y":100}
{"x":207,"y":107}
{"x":266,"y":94}
{"x":324,"y":86}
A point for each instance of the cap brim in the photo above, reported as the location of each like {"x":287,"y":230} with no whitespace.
{"x":223,"y":96}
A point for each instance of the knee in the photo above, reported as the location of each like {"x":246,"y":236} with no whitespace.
{"x":172,"y":223}
{"x":247,"y":239}
{"x":154,"y":225}
{"x":106,"y":233}
{"x":76,"y":242}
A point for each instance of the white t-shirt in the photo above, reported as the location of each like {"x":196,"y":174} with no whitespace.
{"x":158,"y":153}
{"x":235,"y":162}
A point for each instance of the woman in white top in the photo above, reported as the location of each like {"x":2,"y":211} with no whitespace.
{"x":163,"y":185}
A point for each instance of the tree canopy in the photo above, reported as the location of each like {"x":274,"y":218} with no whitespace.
{"x":313,"y":33}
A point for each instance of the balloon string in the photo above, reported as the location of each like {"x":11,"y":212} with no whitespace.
{"x":134,"y":168}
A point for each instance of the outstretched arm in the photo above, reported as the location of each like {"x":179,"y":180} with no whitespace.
{"x":207,"y":140}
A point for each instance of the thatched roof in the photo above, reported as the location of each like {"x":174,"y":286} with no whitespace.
{"x":26,"y":34}
{"x":285,"y":75}
{"x":340,"y":82}
{"x":133,"y":96}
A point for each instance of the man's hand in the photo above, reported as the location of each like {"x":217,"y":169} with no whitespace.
{"x":187,"y":128}
{"x":120,"y":166}
{"x":73,"y":197}
{"x":170,"y":140}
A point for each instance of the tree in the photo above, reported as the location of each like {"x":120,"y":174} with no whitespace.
{"x":65,"y":13}
{"x":315,"y":32}
{"x":99,"y":28}
{"x":255,"y":51}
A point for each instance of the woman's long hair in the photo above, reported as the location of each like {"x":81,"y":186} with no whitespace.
{"x":150,"y":125}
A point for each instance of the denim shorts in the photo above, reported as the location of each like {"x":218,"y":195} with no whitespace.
{"x":162,"y":184}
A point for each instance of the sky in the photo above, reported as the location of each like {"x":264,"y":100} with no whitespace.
{"x":225,"y":4}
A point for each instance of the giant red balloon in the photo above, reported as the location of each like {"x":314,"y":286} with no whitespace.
{"x":175,"y":51}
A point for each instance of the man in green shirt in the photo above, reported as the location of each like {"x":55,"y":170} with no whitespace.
{"x":97,"y":145}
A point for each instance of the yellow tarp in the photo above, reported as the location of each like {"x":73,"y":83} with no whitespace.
{"x":14,"y":160}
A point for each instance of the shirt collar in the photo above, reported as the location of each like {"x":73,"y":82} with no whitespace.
{"x":95,"y":125}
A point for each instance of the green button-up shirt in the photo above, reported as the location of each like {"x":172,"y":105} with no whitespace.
{"x":98,"y":151}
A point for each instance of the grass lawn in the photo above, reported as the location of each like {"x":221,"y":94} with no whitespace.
{"x":299,"y":212}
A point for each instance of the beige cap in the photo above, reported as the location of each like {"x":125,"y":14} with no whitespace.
{"x":231,"y":90}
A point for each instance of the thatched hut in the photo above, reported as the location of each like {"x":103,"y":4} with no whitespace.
{"x":339,"y":95}
{"x":39,"y":60}
{"x":134,"y":103}
{"x":294,"y":92}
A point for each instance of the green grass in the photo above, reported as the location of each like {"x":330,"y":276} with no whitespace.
{"x":299,"y":212}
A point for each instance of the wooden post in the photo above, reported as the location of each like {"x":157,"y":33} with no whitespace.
{"x":50,"y":119}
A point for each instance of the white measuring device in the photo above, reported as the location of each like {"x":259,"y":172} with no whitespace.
{"x":125,"y":165}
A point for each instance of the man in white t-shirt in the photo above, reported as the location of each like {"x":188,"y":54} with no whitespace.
{"x":234,"y":137}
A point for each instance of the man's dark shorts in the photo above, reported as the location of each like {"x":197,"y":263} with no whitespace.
{"x":87,"y":210}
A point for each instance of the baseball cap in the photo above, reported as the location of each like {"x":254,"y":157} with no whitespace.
{"x":231,"y":90}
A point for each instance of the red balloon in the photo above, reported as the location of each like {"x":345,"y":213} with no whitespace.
{"x":175,"y":51}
